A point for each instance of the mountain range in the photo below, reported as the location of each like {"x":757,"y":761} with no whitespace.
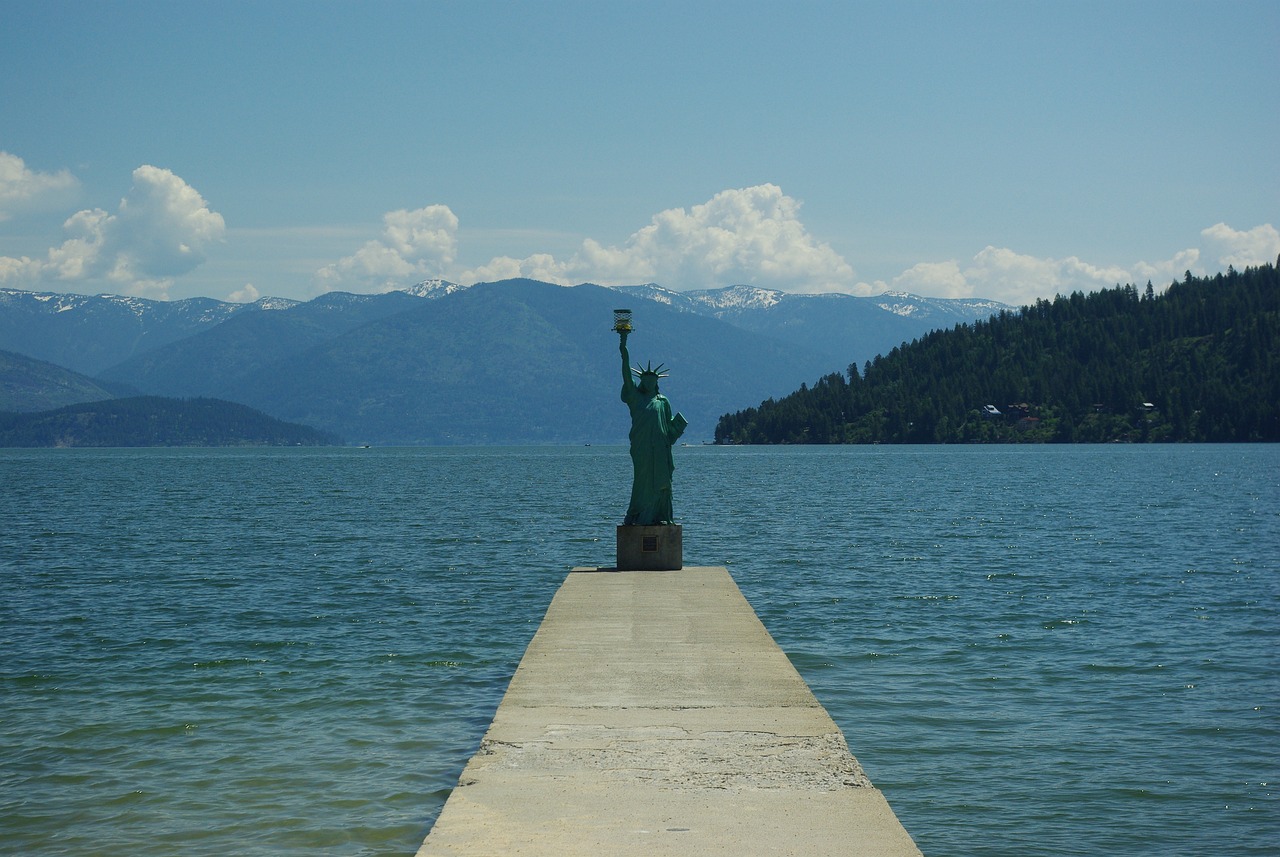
{"x":517,"y":361}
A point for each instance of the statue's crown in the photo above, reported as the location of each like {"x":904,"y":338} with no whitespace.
{"x":649,"y":370}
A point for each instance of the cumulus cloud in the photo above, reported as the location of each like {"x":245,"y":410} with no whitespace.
{"x":22,"y":188}
{"x":1002,"y":274}
{"x":998,"y":273}
{"x":160,"y":231}
{"x":415,"y":245}
{"x":1257,"y":246}
{"x":1166,"y":271}
{"x":247,"y":295}
{"x":749,"y":235}
{"x":539,"y":266}
{"x":755,"y":236}
{"x":938,"y":279}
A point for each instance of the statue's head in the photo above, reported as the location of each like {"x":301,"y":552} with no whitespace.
{"x":647,"y":378}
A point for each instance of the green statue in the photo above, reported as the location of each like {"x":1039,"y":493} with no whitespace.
{"x":653,"y":432}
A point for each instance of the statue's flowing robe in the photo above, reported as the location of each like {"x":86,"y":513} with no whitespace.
{"x":653,"y":431}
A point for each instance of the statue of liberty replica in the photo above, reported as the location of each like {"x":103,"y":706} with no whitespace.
{"x":650,"y":522}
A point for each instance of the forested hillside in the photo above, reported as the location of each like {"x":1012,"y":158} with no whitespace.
{"x":155,"y":421}
{"x":27,"y":384}
{"x":1200,"y":362}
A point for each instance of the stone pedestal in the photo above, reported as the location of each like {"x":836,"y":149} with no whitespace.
{"x":655,"y":548}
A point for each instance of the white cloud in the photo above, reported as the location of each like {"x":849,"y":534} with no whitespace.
{"x":163,"y":225}
{"x":754,"y":235}
{"x":939,"y":279}
{"x":749,"y":235}
{"x":247,"y":295}
{"x":415,"y":245}
{"x":999,"y":273}
{"x":539,"y":266}
{"x":1017,"y":278}
{"x":1014,"y":278}
{"x":1163,"y":273}
{"x":1258,"y":246}
{"x":160,"y":231}
{"x":22,"y":188}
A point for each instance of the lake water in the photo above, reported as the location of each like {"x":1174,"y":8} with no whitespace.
{"x":1032,"y":650}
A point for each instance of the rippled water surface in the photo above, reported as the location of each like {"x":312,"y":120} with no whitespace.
{"x":1040,"y":650}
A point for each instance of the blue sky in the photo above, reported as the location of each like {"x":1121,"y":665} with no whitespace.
{"x":1009,"y":150}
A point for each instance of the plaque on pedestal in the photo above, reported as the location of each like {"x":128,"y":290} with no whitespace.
{"x":650,"y":548}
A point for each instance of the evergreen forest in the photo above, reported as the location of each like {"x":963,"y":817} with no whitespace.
{"x":1198,"y":363}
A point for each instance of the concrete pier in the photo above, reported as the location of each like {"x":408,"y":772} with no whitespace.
{"x":652,"y":714}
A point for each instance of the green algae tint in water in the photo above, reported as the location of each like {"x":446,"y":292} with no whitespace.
{"x":1031,"y":650}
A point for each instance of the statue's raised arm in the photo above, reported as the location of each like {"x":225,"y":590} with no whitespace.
{"x":627,"y":381}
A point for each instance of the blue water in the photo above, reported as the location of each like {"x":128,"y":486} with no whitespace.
{"x":1032,"y":650}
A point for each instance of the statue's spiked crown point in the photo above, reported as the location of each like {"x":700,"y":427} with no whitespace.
{"x":650,"y":370}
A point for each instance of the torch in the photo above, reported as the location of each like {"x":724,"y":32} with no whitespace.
{"x":622,"y":322}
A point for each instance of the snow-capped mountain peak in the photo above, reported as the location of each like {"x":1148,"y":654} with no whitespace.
{"x":434,"y":288}
{"x":270,"y":303}
{"x":908,"y":305}
{"x":737,"y":297}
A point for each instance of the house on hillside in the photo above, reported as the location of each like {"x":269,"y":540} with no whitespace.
{"x":1018,"y":411}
